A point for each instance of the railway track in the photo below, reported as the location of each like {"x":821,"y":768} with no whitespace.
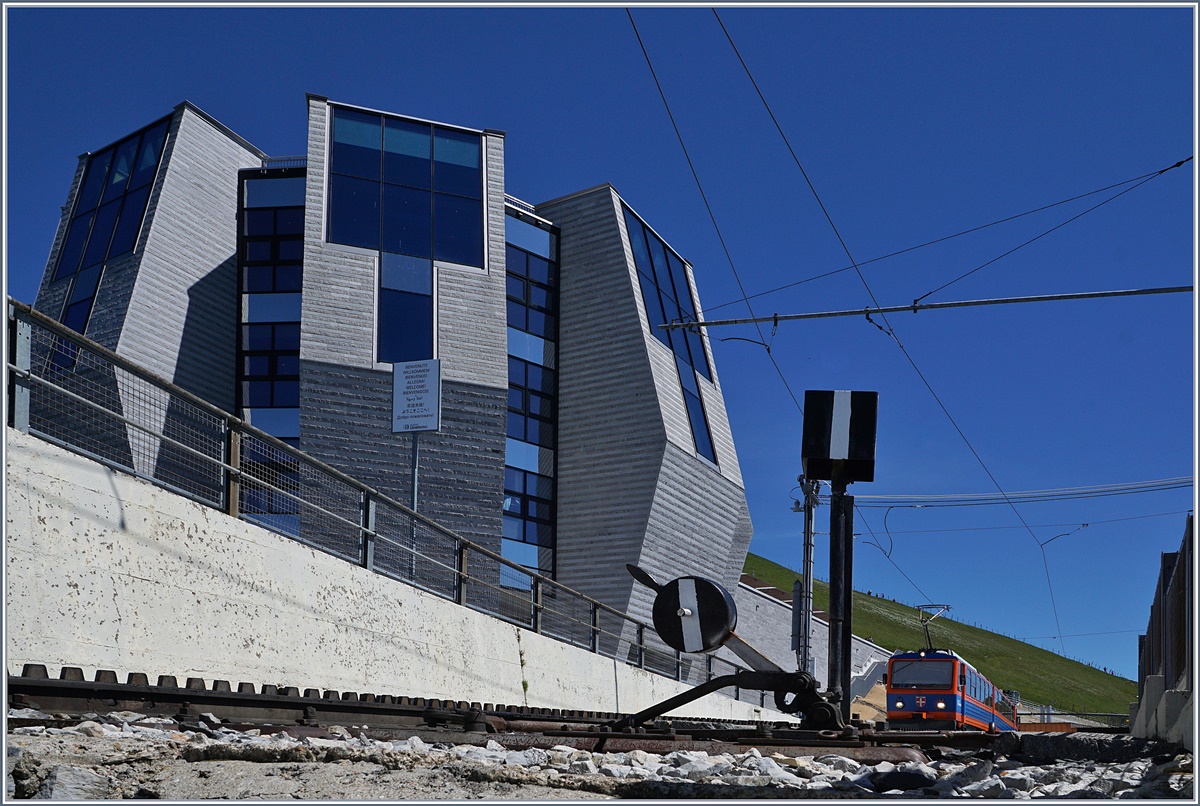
{"x":201,"y":706}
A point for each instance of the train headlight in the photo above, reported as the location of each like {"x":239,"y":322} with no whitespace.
{"x":899,"y":705}
{"x":941,"y":704}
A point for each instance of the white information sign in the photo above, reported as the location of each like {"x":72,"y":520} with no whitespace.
{"x":417,"y":396}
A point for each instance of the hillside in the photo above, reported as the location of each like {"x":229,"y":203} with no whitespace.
{"x":1039,"y":675}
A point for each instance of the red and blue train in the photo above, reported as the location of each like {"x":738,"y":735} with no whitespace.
{"x":935,"y":689}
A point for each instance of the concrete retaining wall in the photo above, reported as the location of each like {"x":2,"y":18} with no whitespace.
{"x":106,"y":571}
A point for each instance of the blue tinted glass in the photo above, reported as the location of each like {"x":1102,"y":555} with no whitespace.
{"x":353,"y":211}
{"x":515,"y":287}
{"x":287,"y":393}
{"x":516,"y":399}
{"x":516,"y":425}
{"x":404,"y":273}
{"x":130,"y":223}
{"x":541,"y":406}
{"x":121,"y":169}
{"x":514,"y":479}
{"x":357,"y":139}
{"x":106,"y":218}
{"x":515,"y":259}
{"x":76,"y":316}
{"x":68,"y":257}
{"x":683,"y":294}
{"x":516,"y":369}
{"x":258,"y":222}
{"x":539,"y":297}
{"x":276,"y":422}
{"x":540,"y":271}
{"x":456,"y":166}
{"x":541,"y":486}
{"x":699,"y":427}
{"x":541,"y":324}
{"x":518,"y":316}
{"x":257,"y":278}
{"x":288,"y":277}
{"x":696,"y":348}
{"x":513,"y":528}
{"x":637,"y":241}
{"x":405,"y":326}
{"x":287,"y":364}
{"x":287,"y":337}
{"x":513,"y":503}
{"x":521,"y":454}
{"x":458,"y":230}
{"x":259,"y":251}
{"x":527,"y":236}
{"x":291,"y":249}
{"x":541,"y":379}
{"x":256,"y":393}
{"x":93,"y":182}
{"x":289,"y":221}
{"x":147,"y":160}
{"x":407,"y":153}
{"x":85,"y":284}
{"x":687,"y":378}
{"x":256,"y":365}
{"x":256,"y":337}
{"x":654,"y":313}
{"x":271,"y":307}
{"x":407,"y":221}
{"x":279,"y":192}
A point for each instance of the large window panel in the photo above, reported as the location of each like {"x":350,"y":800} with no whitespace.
{"x":357,"y":139}
{"x":407,"y":149}
{"x":407,"y":221}
{"x":122,"y":168}
{"x":147,"y":160}
{"x":282,"y":192}
{"x":699,"y":421}
{"x":106,"y":218}
{"x":354,"y":211}
{"x":458,"y":230}
{"x":456,"y":168}
{"x":130,"y":222}
{"x":405,"y":326}
{"x":93,"y":182}
{"x":72,"y":248}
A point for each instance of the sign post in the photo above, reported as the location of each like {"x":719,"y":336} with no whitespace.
{"x":838,"y":446}
{"x":416,"y":405}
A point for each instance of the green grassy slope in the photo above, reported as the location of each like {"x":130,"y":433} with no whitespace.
{"x":1039,"y":675}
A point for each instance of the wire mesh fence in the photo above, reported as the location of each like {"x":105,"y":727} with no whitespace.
{"x":81,"y":396}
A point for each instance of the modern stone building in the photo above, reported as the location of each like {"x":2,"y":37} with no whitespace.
{"x":575,"y":435}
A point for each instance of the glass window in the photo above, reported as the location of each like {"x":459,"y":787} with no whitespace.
{"x":289,"y":221}
{"x":277,"y":422}
{"x":285,"y":191}
{"x":458,"y":230}
{"x":527,"y":236}
{"x":286,"y":393}
{"x":354,"y":211}
{"x":521,"y":454}
{"x":406,"y":153}
{"x":357,"y":139}
{"x":76,"y":316}
{"x":72,"y":248}
{"x":287,"y":364}
{"x":256,"y":393}
{"x":929,"y":674}
{"x":407,"y":221}
{"x":85,"y":284}
{"x":515,"y":260}
{"x":456,"y":166}
{"x":288,"y":277}
{"x":258,"y":278}
{"x":256,"y":337}
{"x":151,"y":150}
{"x":122,"y":168}
{"x":699,"y":422}
{"x":403,"y":273}
{"x":97,"y":248}
{"x":540,"y":270}
{"x":405,"y":326}
{"x":130,"y":222}
{"x":287,"y":337}
{"x":258,"y":222}
{"x":256,"y":365}
{"x":271,"y":307}
{"x":93,"y":182}
{"x":290,"y":249}
{"x":259,"y":251}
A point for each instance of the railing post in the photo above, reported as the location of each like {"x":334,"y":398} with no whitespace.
{"x":708,"y":668}
{"x":233,"y":458}
{"x":368,"y":531}
{"x":20,"y":339}
{"x":678,"y":665}
{"x":595,"y":641}
{"x":460,"y":578}
{"x":641,"y":646}
{"x":537,"y":605}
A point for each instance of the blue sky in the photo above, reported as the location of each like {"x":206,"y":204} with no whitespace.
{"x":911,"y":123}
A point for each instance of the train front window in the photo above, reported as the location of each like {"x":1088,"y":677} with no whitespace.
{"x":930,"y":674}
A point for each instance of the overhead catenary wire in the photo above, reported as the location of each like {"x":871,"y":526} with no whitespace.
{"x":886,"y":327}
{"x":1024,"y":496}
{"x":944,"y":238}
{"x":935,"y":306}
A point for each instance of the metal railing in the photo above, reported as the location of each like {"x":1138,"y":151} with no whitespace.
{"x":300,"y":161}
{"x":72,"y":392}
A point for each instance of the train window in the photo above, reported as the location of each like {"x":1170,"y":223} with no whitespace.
{"x":932,"y":674}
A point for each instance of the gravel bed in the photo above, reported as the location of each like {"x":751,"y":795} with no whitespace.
{"x":112,"y":757}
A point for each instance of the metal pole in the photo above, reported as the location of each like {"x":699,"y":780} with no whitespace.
{"x":416,"y":465}
{"x":837,"y":599}
{"x":802,"y":629}
{"x":848,"y":602}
